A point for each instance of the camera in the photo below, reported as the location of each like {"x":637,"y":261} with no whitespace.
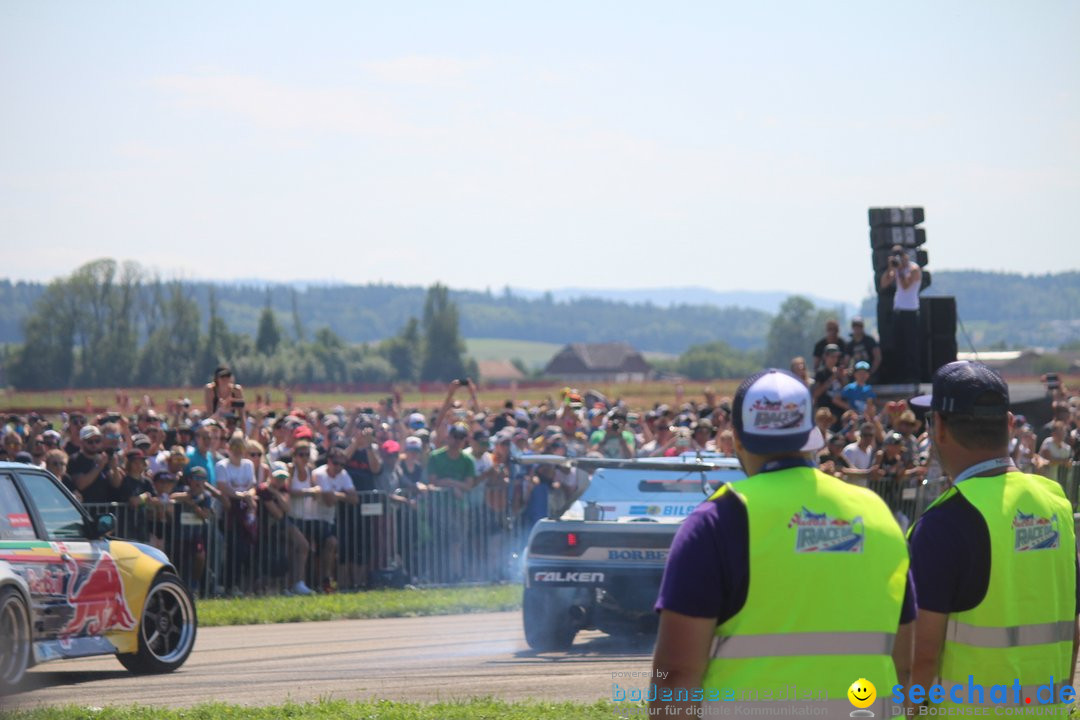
{"x":1052,"y":381}
{"x":237,"y":404}
{"x":463,"y":381}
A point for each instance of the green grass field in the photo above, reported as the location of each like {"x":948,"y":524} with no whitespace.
{"x":370,"y":604}
{"x":475,"y":709}
{"x":533,"y":354}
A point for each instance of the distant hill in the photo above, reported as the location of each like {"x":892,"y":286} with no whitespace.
{"x":766,"y":300}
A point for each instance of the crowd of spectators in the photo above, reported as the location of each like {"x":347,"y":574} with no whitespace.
{"x":347,"y":498}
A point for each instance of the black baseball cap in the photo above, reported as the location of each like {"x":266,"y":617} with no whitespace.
{"x":966,"y":388}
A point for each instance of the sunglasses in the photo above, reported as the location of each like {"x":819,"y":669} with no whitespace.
{"x":255,"y":454}
{"x":92,"y":441}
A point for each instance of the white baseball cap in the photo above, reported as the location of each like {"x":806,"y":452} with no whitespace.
{"x":773,"y":413}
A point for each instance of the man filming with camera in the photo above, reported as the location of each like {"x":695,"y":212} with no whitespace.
{"x":905,"y":275}
{"x":614,"y":441}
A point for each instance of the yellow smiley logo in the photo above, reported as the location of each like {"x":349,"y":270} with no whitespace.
{"x":862,"y":693}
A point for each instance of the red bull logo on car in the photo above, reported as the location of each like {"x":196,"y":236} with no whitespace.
{"x":98,"y":601}
{"x":819,"y":532}
{"x":1035,"y":533}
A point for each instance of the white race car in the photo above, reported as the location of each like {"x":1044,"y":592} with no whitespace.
{"x":599,"y":565}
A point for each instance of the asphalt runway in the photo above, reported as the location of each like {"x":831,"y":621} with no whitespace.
{"x":420,"y":659}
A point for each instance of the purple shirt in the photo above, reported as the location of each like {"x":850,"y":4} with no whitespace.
{"x":708,"y":569}
{"x":950,"y":557}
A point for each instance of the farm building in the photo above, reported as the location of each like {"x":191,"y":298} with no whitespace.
{"x":599,"y":362}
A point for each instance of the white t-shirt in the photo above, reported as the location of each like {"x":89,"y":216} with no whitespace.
{"x":238,"y":478}
{"x":303,"y":507}
{"x":1056,"y":451}
{"x":860,"y":459}
{"x":338,"y":483}
{"x":483,"y":463}
{"x":159,"y":462}
{"x":906,"y":299}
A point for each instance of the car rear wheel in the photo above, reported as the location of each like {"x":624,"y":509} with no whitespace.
{"x":14,"y":639}
{"x":166,"y":629}
{"x":548,"y":625}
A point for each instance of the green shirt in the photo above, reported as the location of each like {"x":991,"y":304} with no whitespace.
{"x":609,"y":446}
{"x":441,"y":465}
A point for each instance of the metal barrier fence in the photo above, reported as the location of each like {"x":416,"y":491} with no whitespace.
{"x":1068,"y":476}
{"x":436,"y":538}
{"x":909,"y":499}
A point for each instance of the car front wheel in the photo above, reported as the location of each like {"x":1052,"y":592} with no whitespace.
{"x":166,"y":629}
{"x":14,"y":639}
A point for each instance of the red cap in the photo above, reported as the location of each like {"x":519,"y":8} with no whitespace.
{"x":391,"y":447}
{"x":303,"y":432}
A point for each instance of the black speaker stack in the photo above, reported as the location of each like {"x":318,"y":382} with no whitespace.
{"x":937,"y":319}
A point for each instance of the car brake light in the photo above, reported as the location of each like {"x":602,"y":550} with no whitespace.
{"x":571,"y":539}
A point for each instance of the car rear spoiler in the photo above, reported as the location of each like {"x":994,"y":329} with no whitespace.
{"x":690,"y":463}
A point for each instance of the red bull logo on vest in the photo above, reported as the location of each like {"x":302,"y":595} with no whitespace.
{"x":1035,"y":533}
{"x":98,"y":601}
{"x":819,"y":532}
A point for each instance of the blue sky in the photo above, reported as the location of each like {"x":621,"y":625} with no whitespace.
{"x":543,"y":145}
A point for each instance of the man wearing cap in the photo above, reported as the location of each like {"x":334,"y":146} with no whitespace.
{"x":94,"y":473}
{"x":196,"y":507}
{"x":202,"y":454}
{"x":862,"y":346}
{"x":76,"y":422}
{"x":829,"y":382}
{"x":858,"y":394}
{"x":730,"y":620}
{"x":701,"y":436}
{"x":994,"y":557}
{"x":832,"y":337}
{"x":450,"y":468}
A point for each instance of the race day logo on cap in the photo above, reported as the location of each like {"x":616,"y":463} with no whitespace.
{"x":1035,"y":533}
{"x":770,"y":415}
{"x":818,"y":532}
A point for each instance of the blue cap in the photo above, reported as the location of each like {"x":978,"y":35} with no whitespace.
{"x":966,"y":388}
{"x":862,"y":365}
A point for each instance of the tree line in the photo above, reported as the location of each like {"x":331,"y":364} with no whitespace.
{"x":372,"y":313}
{"x":112,"y":324}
